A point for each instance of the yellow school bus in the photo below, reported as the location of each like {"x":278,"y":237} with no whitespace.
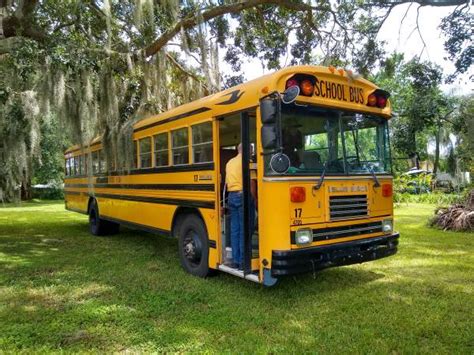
{"x":317,"y":139}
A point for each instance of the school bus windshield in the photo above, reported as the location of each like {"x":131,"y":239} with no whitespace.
{"x":340,"y":143}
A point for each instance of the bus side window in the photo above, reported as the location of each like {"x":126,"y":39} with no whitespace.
{"x":73,"y":166}
{"x":145,"y":152}
{"x":179,"y":146}
{"x":84,"y":164}
{"x":77,"y":167}
{"x":161,"y":149}
{"x":202,"y":142}
{"x":102,"y":163}
{"x":95,"y":162}
{"x":135,"y":153}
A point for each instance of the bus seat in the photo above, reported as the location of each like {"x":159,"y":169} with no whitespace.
{"x":312,"y":160}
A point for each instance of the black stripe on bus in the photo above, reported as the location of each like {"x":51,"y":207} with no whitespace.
{"x":173,"y":118}
{"x":138,"y":226}
{"x":156,"y":170}
{"x":185,"y":187}
{"x":160,"y":200}
{"x":166,"y":169}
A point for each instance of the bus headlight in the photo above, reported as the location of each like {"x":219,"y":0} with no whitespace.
{"x":304,"y":236}
{"x":387,"y":226}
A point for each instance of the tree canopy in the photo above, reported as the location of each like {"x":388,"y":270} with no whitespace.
{"x":98,"y":66}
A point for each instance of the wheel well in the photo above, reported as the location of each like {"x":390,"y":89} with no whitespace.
{"x":180,"y":214}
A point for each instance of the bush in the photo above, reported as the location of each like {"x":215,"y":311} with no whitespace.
{"x":457,"y":217}
{"x":415,"y":184}
{"x":436,"y":198}
{"x":50,"y":193}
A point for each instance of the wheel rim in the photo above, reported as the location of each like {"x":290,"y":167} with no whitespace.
{"x":192,"y":248}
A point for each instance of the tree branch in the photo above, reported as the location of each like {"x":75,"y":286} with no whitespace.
{"x":217,"y":11}
{"x":21,"y":22}
{"x":182,"y":69}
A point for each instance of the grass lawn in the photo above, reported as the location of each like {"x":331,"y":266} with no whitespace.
{"x":62,"y":289}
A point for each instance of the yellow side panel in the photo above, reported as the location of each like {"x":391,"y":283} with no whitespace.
{"x":273,"y":219}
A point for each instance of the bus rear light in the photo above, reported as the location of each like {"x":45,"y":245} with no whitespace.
{"x":304,"y":81}
{"x":372,"y":100}
{"x":381,"y":101}
{"x":291,"y":82}
{"x":307,"y":87}
{"x":378,"y":98}
{"x":387,"y":190}
{"x":298,"y":194}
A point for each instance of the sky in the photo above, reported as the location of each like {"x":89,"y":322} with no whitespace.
{"x":398,"y":38}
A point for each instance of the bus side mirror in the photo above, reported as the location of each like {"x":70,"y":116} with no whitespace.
{"x":269,"y":136}
{"x":268,"y":110}
{"x":269,"y":116}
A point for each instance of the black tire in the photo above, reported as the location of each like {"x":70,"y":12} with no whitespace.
{"x":99,"y":226}
{"x":194,"y":246}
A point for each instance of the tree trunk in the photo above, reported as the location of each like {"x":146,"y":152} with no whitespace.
{"x":437,"y":139}
{"x":26,"y":191}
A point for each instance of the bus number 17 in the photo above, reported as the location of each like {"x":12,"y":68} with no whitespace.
{"x":298,"y":212}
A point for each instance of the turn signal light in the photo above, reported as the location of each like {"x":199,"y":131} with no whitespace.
{"x":298,"y":194}
{"x":372,"y":100}
{"x":378,"y":98}
{"x":304,"y":81}
{"x":387,"y":190}
{"x":307,"y":87}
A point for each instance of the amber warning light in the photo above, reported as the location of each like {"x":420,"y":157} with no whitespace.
{"x":309,"y":85}
{"x":378,"y":98}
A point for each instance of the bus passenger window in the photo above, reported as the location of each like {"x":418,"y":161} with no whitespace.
{"x":161,"y":149}
{"x":202,"y":142}
{"x":73,"y":166}
{"x":102,"y":162}
{"x":135,"y":152}
{"x":77,"y":166}
{"x":95,"y":162}
{"x":68,"y":164}
{"x":145,"y":152}
{"x":179,"y":140}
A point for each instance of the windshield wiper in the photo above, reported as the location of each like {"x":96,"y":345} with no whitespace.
{"x":376,"y":184}
{"x":369,"y":168}
{"x":321,"y":179}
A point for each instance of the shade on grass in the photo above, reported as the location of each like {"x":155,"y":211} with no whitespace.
{"x":62,"y":289}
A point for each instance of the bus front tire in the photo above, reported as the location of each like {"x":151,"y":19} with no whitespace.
{"x":194,"y":246}
{"x":99,"y":226}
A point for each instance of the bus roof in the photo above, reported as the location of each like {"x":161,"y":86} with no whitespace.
{"x":246,"y":95}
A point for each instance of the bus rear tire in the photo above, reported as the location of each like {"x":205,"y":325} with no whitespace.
{"x":194,"y":246}
{"x":99,"y":226}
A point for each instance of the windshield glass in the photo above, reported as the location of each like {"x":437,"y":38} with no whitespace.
{"x":340,"y":142}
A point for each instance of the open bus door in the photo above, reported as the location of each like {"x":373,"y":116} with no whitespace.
{"x":235,"y":129}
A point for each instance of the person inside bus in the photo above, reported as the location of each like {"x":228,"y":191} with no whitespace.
{"x":235,"y":203}
{"x":292,"y":143}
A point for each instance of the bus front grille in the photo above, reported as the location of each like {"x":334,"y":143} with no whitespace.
{"x":349,"y":206}
{"x":346,"y":231}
